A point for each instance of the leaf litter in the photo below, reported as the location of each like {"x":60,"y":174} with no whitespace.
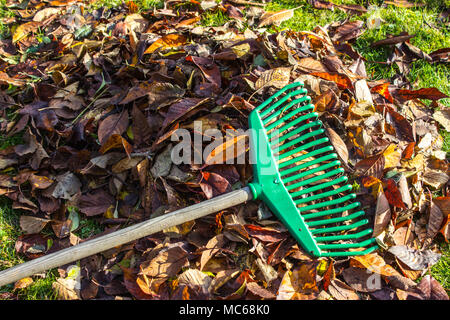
{"x":99,"y":96}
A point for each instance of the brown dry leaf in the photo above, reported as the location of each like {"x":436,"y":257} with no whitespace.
{"x":30,"y":224}
{"x":326,"y":101}
{"x":212,"y":247}
{"x":361,"y":280}
{"x":348,"y":30}
{"x":404,"y":36}
{"x":113,"y":124}
{"x":95,"y":203}
{"x":404,"y":191}
{"x":404,"y":4}
{"x":213,"y":184}
{"x":209,"y":69}
{"x":167,"y":263}
{"x":309,"y":65}
{"x":300,"y":283}
{"x":338,"y":144}
{"x":444,"y":204}
{"x":430,"y":289}
{"x":222,"y":277}
{"x":259,"y":291}
{"x":393,"y":195}
{"x":278,"y":78}
{"x":382,"y":214}
{"x":403,"y":236}
{"x":383,"y":89}
{"x":341,"y":291}
{"x":371,"y":166}
{"x":39,"y":182}
{"x":408,"y":151}
{"x":136,"y":23}
{"x":415,"y":259}
{"x":195,"y":278}
{"x":116,"y":141}
{"x":321,"y":4}
{"x":45,"y":13}
{"x":435,"y":221}
{"x":443,"y":117}
{"x":271,"y":17}
{"x":5,"y":78}
{"x":435,"y":178}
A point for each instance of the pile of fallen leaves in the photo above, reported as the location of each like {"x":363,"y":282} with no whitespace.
{"x":98,"y":95}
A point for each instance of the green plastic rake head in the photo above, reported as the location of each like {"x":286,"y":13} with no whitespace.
{"x":298,"y":175}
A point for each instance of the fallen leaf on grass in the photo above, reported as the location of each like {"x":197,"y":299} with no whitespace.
{"x":425,"y":93}
{"x":271,"y":17}
{"x":415,"y":259}
{"x":23,"y":283}
{"x":30,"y":224}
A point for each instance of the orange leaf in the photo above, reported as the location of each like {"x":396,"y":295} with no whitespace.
{"x":369,"y":181}
{"x":383,"y":89}
{"x":393,"y":195}
{"x":225,"y":152}
{"x":341,"y":80}
{"x":408,"y":152}
{"x":116,"y":141}
{"x":167,"y":41}
{"x":425,"y":93}
{"x":374,"y":263}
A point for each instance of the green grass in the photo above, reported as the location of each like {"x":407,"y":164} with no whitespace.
{"x":441,"y":270}
{"x":41,"y":288}
{"x":88,"y":228}
{"x":142,"y":5}
{"x":4,"y":13}
{"x":414,"y":21}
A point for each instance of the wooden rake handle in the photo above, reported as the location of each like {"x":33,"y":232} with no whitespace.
{"x":125,"y":235}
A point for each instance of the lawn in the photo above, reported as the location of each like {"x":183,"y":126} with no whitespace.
{"x":431,"y":33}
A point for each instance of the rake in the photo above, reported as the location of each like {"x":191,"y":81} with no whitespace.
{"x":297,"y":175}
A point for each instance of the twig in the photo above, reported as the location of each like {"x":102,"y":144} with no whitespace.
{"x":148,"y":154}
{"x":242,"y":2}
{"x":88,"y":106}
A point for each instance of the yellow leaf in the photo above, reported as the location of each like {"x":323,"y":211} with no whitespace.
{"x":391,"y":156}
{"x":322,"y":267}
{"x":241,"y":50}
{"x":23,"y":30}
{"x":418,"y":162}
{"x":110,"y":212}
{"x":23,"y":283}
